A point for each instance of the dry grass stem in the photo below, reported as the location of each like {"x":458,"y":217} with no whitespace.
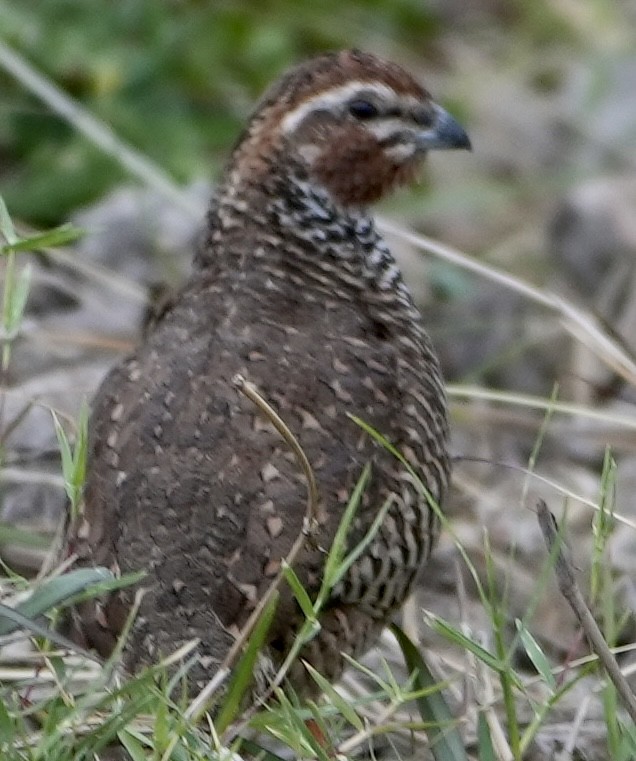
{"x":559,"y":488}
{"x":250,"y":392}
{"x":581,"y":324}
{"x":577,"y":724}
{"x":96,"y":273}
{"x":379,"y":720}
{"x":24,"y":476}
{"x":497,"y":732}
{"x":543,"y":404}
{"x":571,"y":592}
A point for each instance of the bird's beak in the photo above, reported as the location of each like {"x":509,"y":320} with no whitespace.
{"x":443,"y":134}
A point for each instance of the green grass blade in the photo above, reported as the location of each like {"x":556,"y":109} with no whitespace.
{"x":484,"y":740}
{"x":10,"y":534}
{"x":136,"y":750}
{"x":7,"y":230}
{"x":296,"y":731}
{"x":101,"y":587}
{"x":536,"y":655}
{"x":12,"y":620}
{"x":299,"y":592}
{"x":244,"y":671}
{"x":359,"y":548}
{"x":65,"y":452}
{"x":7,"y":726}
{"x":335,"y":698}
{"x":58,"y":236}
{"x":17,"y":299}
{"x":50,"y":595}
{"x":461,"y":640}
{"x":445,"y":740}
{"x":338,"y":547}
{"x":255,"y":750}
{"x":73,"y":460}
{"x":80,"y":451}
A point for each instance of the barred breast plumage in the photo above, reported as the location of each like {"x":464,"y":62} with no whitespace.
{"x":295,"y":290}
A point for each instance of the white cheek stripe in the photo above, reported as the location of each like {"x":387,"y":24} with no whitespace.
{"x":401,"y":152}
{"x":328,"y":99}
{"x":383,"y":127}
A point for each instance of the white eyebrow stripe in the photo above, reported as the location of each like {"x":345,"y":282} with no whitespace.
{"x":327,"y":99}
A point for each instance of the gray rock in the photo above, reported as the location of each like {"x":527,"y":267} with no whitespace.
{"x":85,"y":309}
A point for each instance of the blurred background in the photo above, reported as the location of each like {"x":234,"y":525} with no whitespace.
{"x":546,"y":90}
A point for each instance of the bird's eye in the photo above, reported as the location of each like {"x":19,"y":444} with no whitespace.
{"x":362,"y":109}
{"x":423,"y":117}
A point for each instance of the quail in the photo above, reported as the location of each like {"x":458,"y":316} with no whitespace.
{"x":295,"y":290}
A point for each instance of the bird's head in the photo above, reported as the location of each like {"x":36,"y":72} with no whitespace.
{"x":359,"y":124}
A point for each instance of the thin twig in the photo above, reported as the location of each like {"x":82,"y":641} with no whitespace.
{"x":251,"y":392}
{"x":559,"y":488}
{"x":570,"y":590}
{"x":309,"y":525}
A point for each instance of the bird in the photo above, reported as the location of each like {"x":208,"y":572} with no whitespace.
{"x":294,"y":290}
